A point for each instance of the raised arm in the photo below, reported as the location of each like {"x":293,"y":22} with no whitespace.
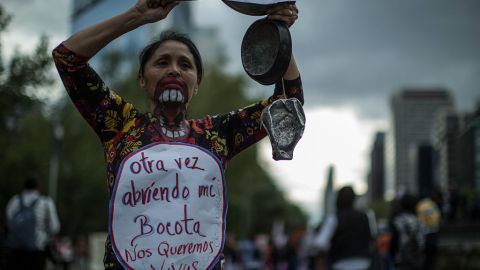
{"x":244,"y":125}
{"x":90,"y":40}
{"x":106,"y":112}
{"x":287,"y":13}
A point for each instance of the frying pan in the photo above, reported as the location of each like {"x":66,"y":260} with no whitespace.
{"x":254,"y":7}
{"x":266,"y":51}
{"x":267,"y":45}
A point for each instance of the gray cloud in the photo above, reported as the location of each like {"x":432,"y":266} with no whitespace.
{"x":34,"y":17}
{"x":358,"y":53}
{"x":353,"y":53}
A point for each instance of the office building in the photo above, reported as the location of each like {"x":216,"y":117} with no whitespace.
{"x":424,"y":161}
{"x":414,"y":111}
{"x":447,"y":132}
{"x":329,"y":193}
{"x":469,"y":149}
{"x":376,"y":177}
{"x":88,"y":12}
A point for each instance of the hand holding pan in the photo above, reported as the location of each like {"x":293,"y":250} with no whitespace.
{"x":266,"y":46}
{"x":254,"y":7}
{"x":266,"y":54}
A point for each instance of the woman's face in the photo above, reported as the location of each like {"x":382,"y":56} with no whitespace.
{"x":170,"y":77}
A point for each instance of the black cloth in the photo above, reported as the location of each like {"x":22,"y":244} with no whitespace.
{"x":431,"y":250}
{"x":352,"y":236}
{"x":18,"y":259}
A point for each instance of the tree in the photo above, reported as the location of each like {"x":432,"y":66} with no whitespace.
{"x":23,"y":146}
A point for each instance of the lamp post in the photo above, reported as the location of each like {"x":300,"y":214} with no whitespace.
{"x":57,"y":139}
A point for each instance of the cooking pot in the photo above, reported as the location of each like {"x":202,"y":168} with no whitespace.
{"x":266,"y":50}
{"x":267,"y":44}
{"x":254,"y":7}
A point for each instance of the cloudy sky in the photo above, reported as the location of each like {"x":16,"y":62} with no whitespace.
{"x":352,"y":55}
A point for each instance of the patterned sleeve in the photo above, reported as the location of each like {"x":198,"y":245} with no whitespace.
{"x":105,"y":111}
{"x":243,"y":127}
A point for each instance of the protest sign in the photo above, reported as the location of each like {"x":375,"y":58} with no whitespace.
{"x":168,"y":208}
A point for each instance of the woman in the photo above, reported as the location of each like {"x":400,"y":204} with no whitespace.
{"x":157,"y":220}
{"x":406,"y":246}
{"x":347,"y":235}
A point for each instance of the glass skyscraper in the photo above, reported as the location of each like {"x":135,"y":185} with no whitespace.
{"x":414,"y":112}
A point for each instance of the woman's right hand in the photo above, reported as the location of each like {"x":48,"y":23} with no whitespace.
{"x":154,"y":10}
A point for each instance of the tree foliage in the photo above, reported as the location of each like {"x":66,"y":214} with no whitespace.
{"x":24,"y":136}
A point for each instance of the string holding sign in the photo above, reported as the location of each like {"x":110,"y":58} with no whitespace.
{"x":266,"y":54}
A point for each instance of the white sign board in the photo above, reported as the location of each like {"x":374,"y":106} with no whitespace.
{"x":168,"y":208}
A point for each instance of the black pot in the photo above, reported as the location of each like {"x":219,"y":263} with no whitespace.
{"x":266,"y":50}
{"x":254,"y":9}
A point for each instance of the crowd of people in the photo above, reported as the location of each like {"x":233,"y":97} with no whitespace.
{"x":354,"y":239}
{"x":348,"y":239}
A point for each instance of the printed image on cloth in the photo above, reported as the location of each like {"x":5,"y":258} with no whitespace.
{"x":168,"y":208}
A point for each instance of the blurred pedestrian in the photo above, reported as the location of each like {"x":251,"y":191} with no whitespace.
{"x":3,"y":236}
{"x":382,"y":245}
{"x":429,"y":216}
{"x":406,"y":248}
{"x":346,"y":235}
{"x":66,"y":251}
{"x":293,"y":251}
{"x":31,"y":222}
{"x":233,"y":256}
{"x":81,"y":254}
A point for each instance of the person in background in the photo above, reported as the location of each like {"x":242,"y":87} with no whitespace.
{"x":429,"y":216}
{"x":382,"y":245}
{"x":32,"y":220}
{"x":347,"y":235}
{"x":3,"y":235}
{"x":406,"y":248}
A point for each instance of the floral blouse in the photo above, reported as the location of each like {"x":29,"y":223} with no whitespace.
{"x":122,"y":129}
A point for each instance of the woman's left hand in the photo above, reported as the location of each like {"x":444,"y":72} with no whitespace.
{"x":287,"y":13}
{"x":154,"y":10}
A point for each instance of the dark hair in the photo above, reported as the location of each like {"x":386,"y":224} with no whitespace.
{"x":345,"y":198}
{"x":148,"y":51}
{"x":31,"y":183}
{"x":408,"y":203}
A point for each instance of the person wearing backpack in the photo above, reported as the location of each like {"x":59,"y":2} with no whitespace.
{"x":31,"y":221}
{"x":407,"y":242}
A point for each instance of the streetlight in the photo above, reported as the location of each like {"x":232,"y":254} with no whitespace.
{"x":57,"y":139}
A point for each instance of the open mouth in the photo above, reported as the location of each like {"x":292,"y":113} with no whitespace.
{"x":171,"y":96}
{"x":170,"y":90}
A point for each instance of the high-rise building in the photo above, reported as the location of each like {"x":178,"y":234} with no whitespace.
{"x":424,"y":161}
{"x":376,"y":181}
{"x":447,"y":131}
{"x":469,"y":147}
{"x":414,"y":111}
{"x":329,"y":193}
{"x":88,"y":12}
